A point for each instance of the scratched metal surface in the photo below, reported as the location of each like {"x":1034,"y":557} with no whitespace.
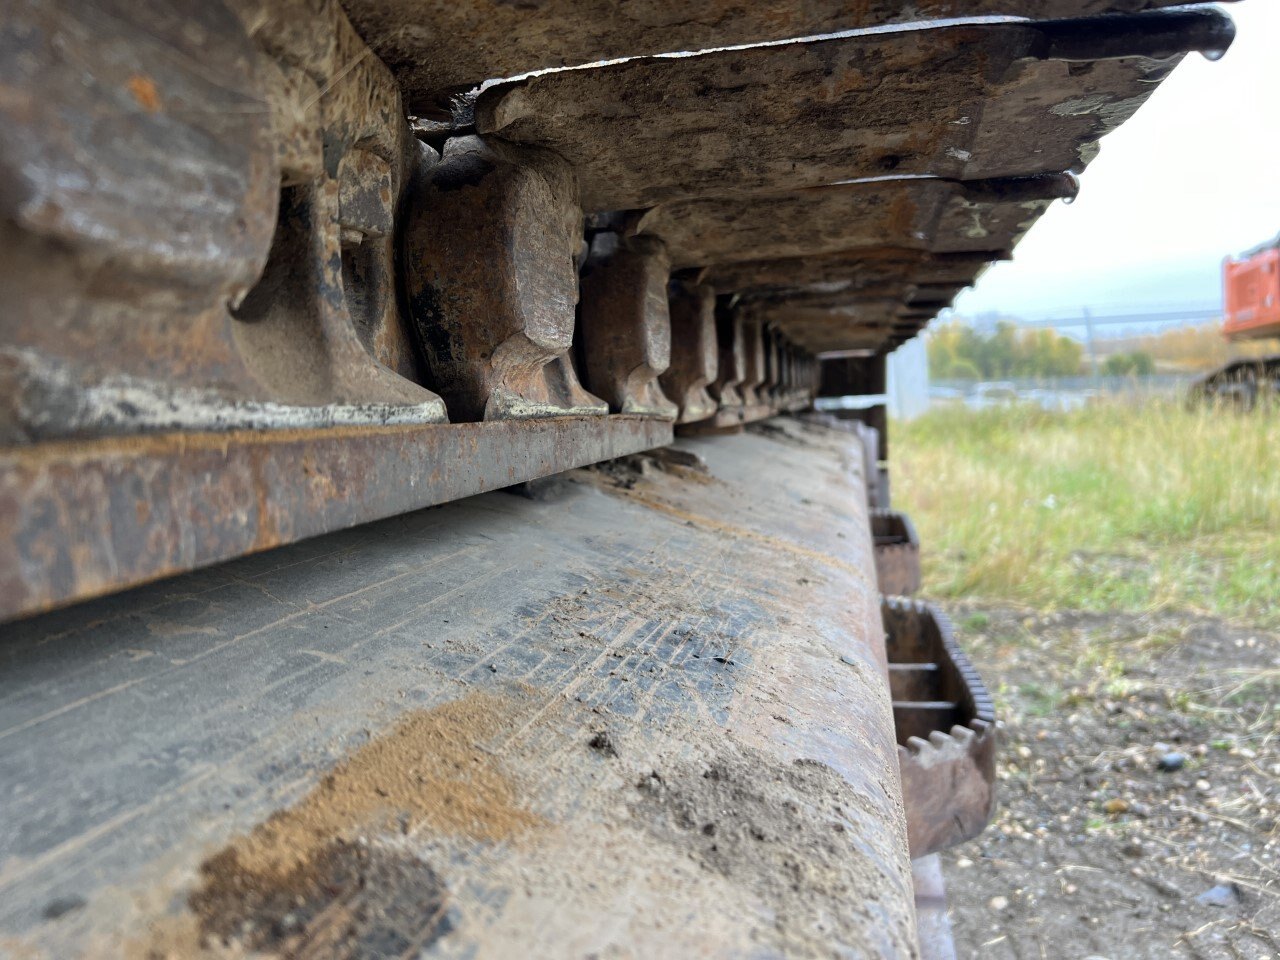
{"x":88,"y":517}
{"x":968,"y":102}
{"x":685,"y":716}
{"x":469,"y":42}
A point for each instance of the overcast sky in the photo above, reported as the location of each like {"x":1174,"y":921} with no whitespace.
{"x":1192,"y":178}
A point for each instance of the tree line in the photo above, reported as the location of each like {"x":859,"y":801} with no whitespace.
{"x":959,"y":352}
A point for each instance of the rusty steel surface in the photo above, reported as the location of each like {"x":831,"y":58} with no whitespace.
{"x":966,"y":102}
{"x":939,"y":221}
{"x":279,"y":268}
{"x":647,"y":700}
{"x":731,"y":363}
{"x":200,"y":236}
{"x":946,"y":728}
{"x":438,"y":49}
{"x":695,"y":353}
{"x":822,"y":323}
{"x":625,"y":324}
{"x":255,"y":186}
{"x":489,"y":256}
{"x":897,"y":552}
{"x":751,"y":385}
{"x":852,"y":265}
{"x":934,"y":926}
{"x":886,"y":271}
{"x":83,"y":518}
{"x":229,"y":224}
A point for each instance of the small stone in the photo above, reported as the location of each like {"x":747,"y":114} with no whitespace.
{"x":998,"y":903}
{"x":1203,"y":786}
{"x":1223,"y":895}
{"x":601,"y":742}
{"x":651,"y":784}
{"x":1170,"y":762}
{"x":62,"y":906}
{"x":1116,"y":806}
{"x":290,"y":923}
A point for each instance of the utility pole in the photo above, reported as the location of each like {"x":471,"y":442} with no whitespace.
{"x":1093,"y":349}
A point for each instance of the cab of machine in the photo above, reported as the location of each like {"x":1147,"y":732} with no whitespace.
{"x":1251,"y":287}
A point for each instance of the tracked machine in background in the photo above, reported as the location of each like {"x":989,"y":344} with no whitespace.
{"x":278,"y":268}
{"x":1251,"y":311}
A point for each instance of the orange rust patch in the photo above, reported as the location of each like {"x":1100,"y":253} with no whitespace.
{"x":144,"y":91}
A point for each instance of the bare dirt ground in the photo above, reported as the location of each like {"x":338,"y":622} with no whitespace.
{"x":1139,"y":789}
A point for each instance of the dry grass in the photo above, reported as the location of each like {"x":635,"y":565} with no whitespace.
{"x":1113,"y":506}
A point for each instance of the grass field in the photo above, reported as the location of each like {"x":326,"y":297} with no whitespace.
{"x":1115,"y":506}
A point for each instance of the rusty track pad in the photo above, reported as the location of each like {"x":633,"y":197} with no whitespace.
{"x":965,"y":102}
{"x":946,"y":728}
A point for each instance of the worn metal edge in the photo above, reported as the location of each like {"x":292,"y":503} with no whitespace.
{"x":958,"y":763}
{"x":932,"y":923}
{"x":983,"y":705}
{"x":898,"y":568}
{"x":887,"y":513}
{"x":897,"y":564}
{"x":80,"y":519}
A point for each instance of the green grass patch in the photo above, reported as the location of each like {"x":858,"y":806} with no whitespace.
{"x":1116,"y":506}
{"x":1040,"y":700}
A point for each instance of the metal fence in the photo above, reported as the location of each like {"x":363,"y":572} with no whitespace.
{"x":1059,"y":393}
{"x":1162,"y":383}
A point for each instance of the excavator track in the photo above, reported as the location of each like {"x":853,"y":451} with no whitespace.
{"x":276,"y":267}
{"x":280,"y":273}
{"x":642,"y":712}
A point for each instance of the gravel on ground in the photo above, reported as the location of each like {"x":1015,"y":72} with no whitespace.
{"x":1139,"y":780}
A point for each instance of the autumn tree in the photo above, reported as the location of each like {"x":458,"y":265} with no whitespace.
{"x":959,"y":352}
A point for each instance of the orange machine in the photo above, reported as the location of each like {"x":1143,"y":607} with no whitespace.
{"x":1251,"y":311}
{"x":1251,"y":290}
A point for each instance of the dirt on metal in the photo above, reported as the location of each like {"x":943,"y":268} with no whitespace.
{"x":286,"y":885}
{"x":434,"y":768}
{"x":784,"y":829}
